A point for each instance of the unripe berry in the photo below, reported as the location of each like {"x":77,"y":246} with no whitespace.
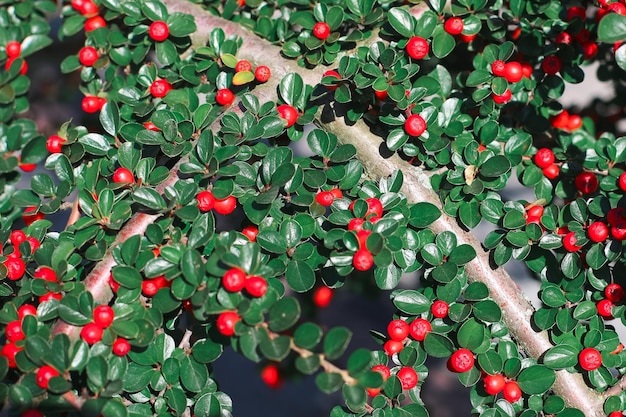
{"x":158,"y":31}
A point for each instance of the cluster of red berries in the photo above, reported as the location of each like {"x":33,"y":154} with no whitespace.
{"x":494,"y":384}
{"x":262,"y":73}
{"x":544,"y":159}
{"x":399,"y":331}
{"x":14,"y":334}
{"x":512,"y":71}
{"x":363,"y":259}
{"x":14,"y":264}
{"x":406,"y":374}
{"x":613,"y":294}
{"x":90,"y":10}
{"x":566,"y":121}
{"x":236,"y":280}
{"x":103,"y":317}
{"x":582,"y":37}
{"x":150,"y":286}
{"x":206,"y":201}
{"x":327,"y":198}
{"x":13,"y":50}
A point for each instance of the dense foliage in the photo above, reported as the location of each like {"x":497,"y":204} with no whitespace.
{"x":194,"y":225}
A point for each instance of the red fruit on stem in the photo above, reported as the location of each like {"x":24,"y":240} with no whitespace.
{"x":205,"y":200}
{"x":88,"y":8}
{"x":31,"y":215}
{"x":374,"y":206}
{"x":120,"y":347}
{"x":337,"y":193}
{"x":453,"y":25}
{"x":103,"y":316}
{"x":226,"y":321}
{"x":408,"y":377}
{"x":270,"y":374}
{"x":226,"y":205}
{"x":289,"y":113}
{"x":27,"y":167}
{"x":9,"y":351}
{"x":614,"y":292}
{"x":91,"y":104}
{"x":576,"y":11}
{"x":250,"y":232}
{"x":512,"y":392}
{"x":513,"y":72}
{"x":356,"y":224}
{"x":262,"y":73}
{"x":123,"y":175}
{"x":494,"y":383}
{"x":563,"y":37}
{"x":398,"y":330}
{"x":362,"y":260}
{"x":34,"y":243}
{"x":419,"y":328}
{"x":544,"y":158}
{"x":13,"y":49}
{"x":17,"y":236}
{"x":44,"y":374}
{"x":325,"y":198}
{"x":234,"y":280}
{"x":322,"y":296}
{"x":586,"y":182}
{"x":574,"y":122}
{"x":590,"y":49}
{"x":256,"y":286}
{"x":26,"y":310}
{"x":535,"y":211}
{"x":94,"y":23}
{"x":151,"y":126}
{"x":50,"y":296}
{"x":461,"y":360}
{"x":321,"y":30}
{"x":392,"y":346}
{"x":502,"y":98}
{"x":551,"y":172}
{"x":440,"y":309}
{"x":54,"y":144}
{"x":589,"y":359}
{"x":621,"y":182}
{"x":498,"y":68}
{"x":160,"y":88}
{"x":149,"y":287}
{"x":243,"y":65}
{"x":224,"y":97}
{"x":334,"y":74}
{"x":605,"y":308}
{"x":598,"y":231}
{"x":13,"y":331}
{"x":15,"y":268}
{"x":569,"y":242}
{"x":551,"y":64}
{"x":417,"y":47}
{"x":88,"y":56}
{"x":91,"y":333}
{"x":362,"y":236}
{"x":46,"y":273}
{"x":158,"y":31}
{"x":415,"y":125}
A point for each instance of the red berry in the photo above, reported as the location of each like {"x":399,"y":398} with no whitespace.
{"x":494,"y":384}
{"x":381,"y":95}
{"x":27,"y":167}
{"x":453,"y":25}
{"x":158,"y":31}
{"x":15,"y":268}
{"x":243,"y":65}
{"x":13,"y":331}
{"x":392,"y":346}
{"x":226,"y":205}
{"x":498,"y":68}
{"x":50,"y":296}
{"x":322,"y":296}
{"x":415,"y":125}
{"x":334,"y":74}
{"x":46,"y":273}
{"x":31,"y":215}
{"x":544,"y":158}
{"x":616,"y":216}
{"x":120,"y":347}
{"x":26,"y":310}
{"x":362,"y":260}
{"x":226,"y":321}
{"x":44,"y":374}
{"x":87,"y":56}
{"x":535,"y":211}
{"x":250,"y":232}
{"x":103,"y":316}
{"x":461,"y":360}
{"x":574,"y":122}
{"x":54,"y":144}
{"x":362,"y":235}
{"x":551,"y":172}
{"x":91,"y":333}
{"x":271,"y":376}
{"x":123,"y":175}
{"x":224,"y":97}
{"x":611,"y":414}
{"x":512,"y":392}
{"x":325,"y":198}
{"x":398,"y":330}
{"x":408,"y":377}
{"x":598,"y":231}
{"x":419,"y":328}
{"x":149,"y":287}
{"x":9,"y":351}
{"x":590,"y":49}
{"x":614,"y":292}
{"x":605,"y":308}
{"x":563,"y":37}
{"x":336,"y":192}
{"x":467,"y":38}
{"x":88,"y":8}
{"x":262,"y":73}
{"x":589,"y":359}
{"x":383,"y":370}
{"x":34,"y":243}
{"x":374,"y":206}
{"x":440,"y":309}
{"x":234,"y":280}
{"x":289,"y":113}
{"x":205,"y":200}
{"x":9,"y":63}
{"x":576,"y":11}
{"x":513,"y":72}
{"x":356,"y":224}
{"x":417,"y":47}
{"x":17,"y":237}
{"x":13,"y":49}
{"x":321,"y":30}
{"x":586,"y":182}
{"x":256,"y":286}
{"x":502,"y":98}
{"x":151,"y":126}
{"x":551,"y":64}
{"x":569,"y":242}
{"x":91,"y":104}
{"x":94,"y":23}
{"x":160,"y":88}
{"x":617,"y":7}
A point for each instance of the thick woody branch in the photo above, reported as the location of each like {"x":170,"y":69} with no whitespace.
{"x":516,"y":308}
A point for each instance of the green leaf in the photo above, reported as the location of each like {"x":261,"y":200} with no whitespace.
{"x":291,"y":89}
{"x":612,"y":28}
{"x":438,"y":346}
{"x":284,"y":314}
{"x":402,"y":21}
{"x":462,"y":254}
{"x":561,"y":357}
{"x":336,"y":342}
{"x":443,"y":44}
{"x":95,"y":144}
{"x":536,"y":379}
{"x":495,"y":166}
{"x":423,"y":214}
{"x":275,"y":349}
{"x":300,"y":276}
{"x":194,"y":375}
{"x":471,"y":334}
{"x":411,"y":302}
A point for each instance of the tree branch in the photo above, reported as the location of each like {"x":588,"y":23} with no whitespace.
{"x":516,"y":308}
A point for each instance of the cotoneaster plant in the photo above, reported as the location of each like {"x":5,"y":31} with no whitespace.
{"x":235,"y":167}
